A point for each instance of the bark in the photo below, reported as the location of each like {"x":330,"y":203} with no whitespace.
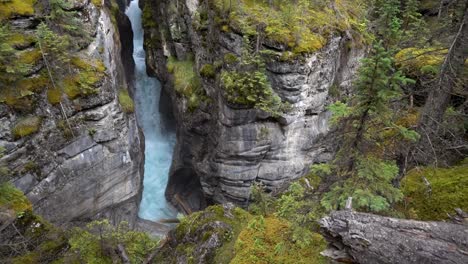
{"x":365,"y":238}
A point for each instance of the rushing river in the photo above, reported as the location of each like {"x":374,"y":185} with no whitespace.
{"x":159,"y":143}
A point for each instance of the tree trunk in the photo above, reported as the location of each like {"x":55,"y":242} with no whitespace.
{"x":439,"y":97}
{"x":365,"y":238}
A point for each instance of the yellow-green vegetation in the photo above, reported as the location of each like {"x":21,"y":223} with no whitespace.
{"x":186,"y":81}
{"x":54,"y":96}
{"x":16,"y":7}
{"x":208,"y":71}
{"x":17,"y":39}
{"x":30,"y":56}
{"x":267,"y":240}
{"x":13,"y":199}
{"x":126,"y":101}
{"x":302,"y":26}
{"x":195,"y":225}
{"x":97,"y":3}
{"x":84,"y":82}
{"x":445,"y":190}
{"x":26,"y":126}
{"x":417,"y":61}
{"x":89,"y":245}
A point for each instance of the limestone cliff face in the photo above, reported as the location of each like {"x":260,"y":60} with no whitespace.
{"x":95,"y":168}
{"x":222,"y":149}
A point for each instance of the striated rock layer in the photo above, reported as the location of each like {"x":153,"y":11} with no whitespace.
{"x":222,"y":149}
{"x":97,"y":172}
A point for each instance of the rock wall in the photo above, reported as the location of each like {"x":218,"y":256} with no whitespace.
{"x":222,"y":149}
{"x":96,"y":171}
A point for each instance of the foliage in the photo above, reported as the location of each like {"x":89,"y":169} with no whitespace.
{"x":12,"y":67}
{"x":63,"y":16}
{"x":446,"y":192}
{"x":186,"y":81}
{"x":94,"y":243}
{"x":247,"y":84}
{"x":370,"y":186}
{"x":300,"y":26}
{"x":364,"y":173}
{"x":126,"y":101}
{"x":417,"y":62}
{"x":266,"y":240}
{"x":26,"y":126}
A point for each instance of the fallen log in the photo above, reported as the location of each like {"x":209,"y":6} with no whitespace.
{"x":366,"y":238}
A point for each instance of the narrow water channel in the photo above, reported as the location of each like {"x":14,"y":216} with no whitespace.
{"x":159,"y":142}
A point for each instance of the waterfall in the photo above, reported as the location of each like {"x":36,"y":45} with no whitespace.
{"x":159,"y":143}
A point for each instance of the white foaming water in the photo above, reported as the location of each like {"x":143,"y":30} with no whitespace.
{"x":159,"y":145}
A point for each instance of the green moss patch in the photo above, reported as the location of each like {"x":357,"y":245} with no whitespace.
{"x":14,"y":199}
{"x":126,"y":101}
{"x":27,"y":126}
{"x":448,"y":190}
{"x":16,"y":8}
{"x":30,"y":57}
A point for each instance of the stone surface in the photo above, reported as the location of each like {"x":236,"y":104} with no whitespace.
{"x":227,"y":148}
{"x":365,"y":238}
{"x":95,"y":171}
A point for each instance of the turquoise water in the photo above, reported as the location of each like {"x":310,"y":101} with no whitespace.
{"x":159,"y":144}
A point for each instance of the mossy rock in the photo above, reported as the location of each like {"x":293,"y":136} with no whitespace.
{"x":448,"y":190}
{"x":301,"y":27}
{"x":30,"y":57}
{"x":16,"y":8}
{"x":26,"y":126}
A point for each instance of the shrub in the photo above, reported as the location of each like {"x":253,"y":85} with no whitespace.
{"x":126,"y":101}
{"x":267,"y":240}
{"x":26,"y":126}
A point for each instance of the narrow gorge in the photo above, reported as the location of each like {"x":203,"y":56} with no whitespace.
{"x":233,"y":131}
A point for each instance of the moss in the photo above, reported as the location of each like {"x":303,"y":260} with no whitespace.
{"x":126,"y":101}
{"x":26,"y":126}
{"x":16,"y":7}
{"x":19,"y":40}
{"x":33,"y":84}
{"x":300,"y":27}
{"x":208,"y":71}
{"x":30,"y":56}
{"x":448,"y":191}
{"x":54,"y":96}
{"x":267,"y":240}
{"x":97,"y":3}
{"x":71,"y":87}
{"x":14,"y":199}
{"x":85,"y":81}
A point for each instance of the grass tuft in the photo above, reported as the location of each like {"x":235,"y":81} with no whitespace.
{"x":27,"y":126}
{"x":126,"y":101}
